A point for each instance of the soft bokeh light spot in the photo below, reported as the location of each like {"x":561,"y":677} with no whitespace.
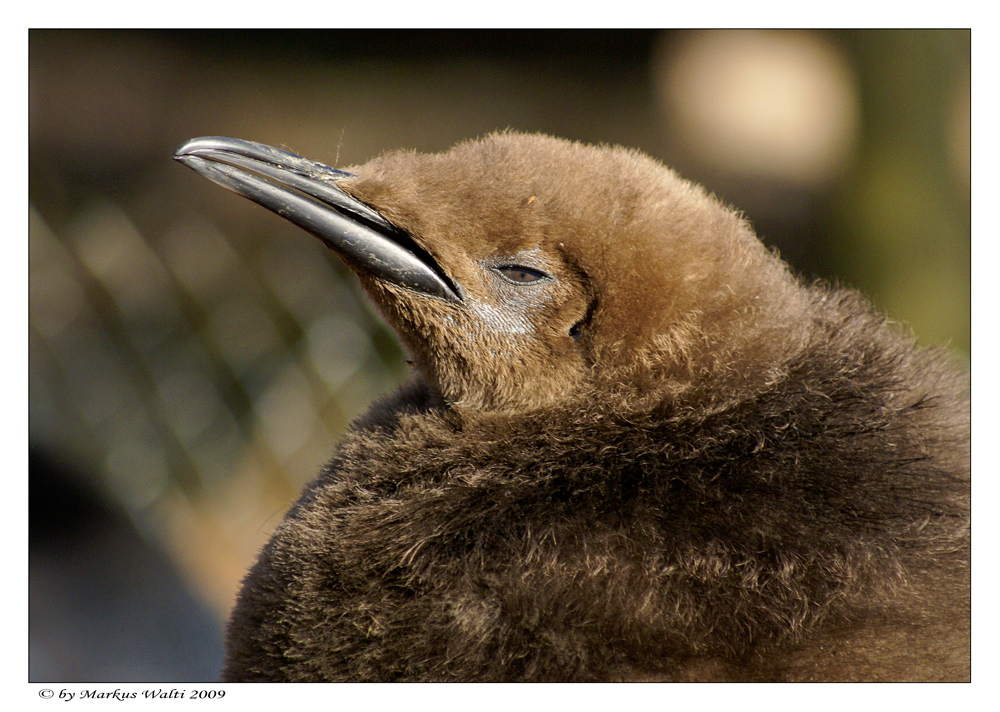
{"x":778,"y":103}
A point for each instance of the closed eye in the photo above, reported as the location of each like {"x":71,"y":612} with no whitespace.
{"x":522,"y":275}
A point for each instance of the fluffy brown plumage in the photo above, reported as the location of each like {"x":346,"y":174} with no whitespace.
{"x":664,"y":457}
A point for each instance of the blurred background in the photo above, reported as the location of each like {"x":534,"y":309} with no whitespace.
{"x":194,"y":359}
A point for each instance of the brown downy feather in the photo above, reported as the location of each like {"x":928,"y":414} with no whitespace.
{"x":727,"y":474}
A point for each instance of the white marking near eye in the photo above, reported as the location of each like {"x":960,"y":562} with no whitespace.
{"x":500,"y":321}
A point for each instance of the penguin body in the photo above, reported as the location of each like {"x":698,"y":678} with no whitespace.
{"x":635,"y":447}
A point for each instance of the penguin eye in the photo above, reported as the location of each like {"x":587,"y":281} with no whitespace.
{"x":522,"y":275}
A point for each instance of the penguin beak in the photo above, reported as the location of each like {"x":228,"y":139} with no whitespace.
{"x":305,"y":193}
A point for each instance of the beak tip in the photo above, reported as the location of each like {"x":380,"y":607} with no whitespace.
{"x":188,"y":147}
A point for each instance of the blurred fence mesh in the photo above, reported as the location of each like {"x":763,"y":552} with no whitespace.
{"x":204,"y":378}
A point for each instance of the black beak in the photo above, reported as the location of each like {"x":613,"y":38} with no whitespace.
{"x":305,"y":193}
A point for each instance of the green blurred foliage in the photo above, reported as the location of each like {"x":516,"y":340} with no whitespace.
{"x":902,"y":221}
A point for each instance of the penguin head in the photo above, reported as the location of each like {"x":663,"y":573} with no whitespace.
{"x":533,"y":270}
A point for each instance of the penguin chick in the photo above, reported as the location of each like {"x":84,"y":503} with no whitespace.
{"x":635,"y":447}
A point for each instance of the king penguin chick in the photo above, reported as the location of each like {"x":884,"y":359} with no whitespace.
{"x":635,"y":446}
